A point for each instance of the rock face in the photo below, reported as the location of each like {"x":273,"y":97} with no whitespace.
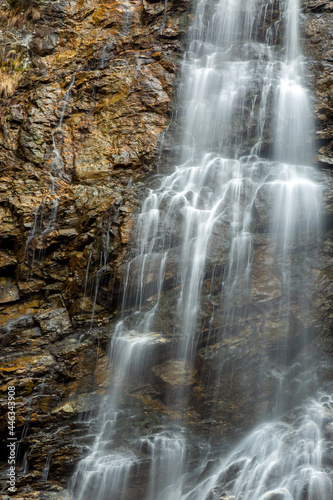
{"x":80,"y":138}
{"x":77,"y":139}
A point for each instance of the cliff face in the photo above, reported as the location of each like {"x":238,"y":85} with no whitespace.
{"x":90,"y":93}
{"x":78,"y":137}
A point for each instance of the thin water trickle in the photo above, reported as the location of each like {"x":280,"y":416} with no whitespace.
{"x":280,"y":460}
{"x":46,"y":469}
{"x":46,"y":212}
{"x":243,"y":100}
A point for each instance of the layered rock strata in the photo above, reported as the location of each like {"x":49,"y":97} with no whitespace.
{"x":80,"y":139}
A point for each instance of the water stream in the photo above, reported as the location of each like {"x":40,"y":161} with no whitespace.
{"x":46,"y":212}
{"x":222,"y":282}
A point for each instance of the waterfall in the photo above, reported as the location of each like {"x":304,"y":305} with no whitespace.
{"x":46,"y":212}
{"x":216,"y":312}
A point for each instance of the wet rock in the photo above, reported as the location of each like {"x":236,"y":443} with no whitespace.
{"x":100,"y":139}
{"x":74,"y":406}
{"x":8,"y":290}
{"x":173,"y":379}
{"x":44,"y":43}
{"x":9,"y":226}
{"x":121,"y":85}
{"x":7,"y":260}
{"x":318,"y":30}
{"x":54,"y":321}
{"x":30,"y":364}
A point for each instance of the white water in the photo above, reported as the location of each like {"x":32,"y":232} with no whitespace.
{"x":238,"y":90}
{"x":280,"y":460}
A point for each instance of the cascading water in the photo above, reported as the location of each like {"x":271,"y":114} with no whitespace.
{"x":200,"y":235}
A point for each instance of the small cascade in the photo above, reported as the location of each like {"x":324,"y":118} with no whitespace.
{"x":221,"y":283}
{"x":126,"y":22}
{"x":103,"y":259}
{"x":101,"y":255}
{"x":168,"y":461}
{"x":279,"y":460}
{"x":98,"y":259}
{"x":25,"y":464}
{"x":46,"y":212}
{"x":25,"y":460}
{"x":106,"y":56}
{"x":164,"y":16}
{"x":46,"y":469}
{"x":65,"y":102}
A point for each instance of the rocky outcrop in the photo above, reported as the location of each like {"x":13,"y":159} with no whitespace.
{"x":80,"y":139}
